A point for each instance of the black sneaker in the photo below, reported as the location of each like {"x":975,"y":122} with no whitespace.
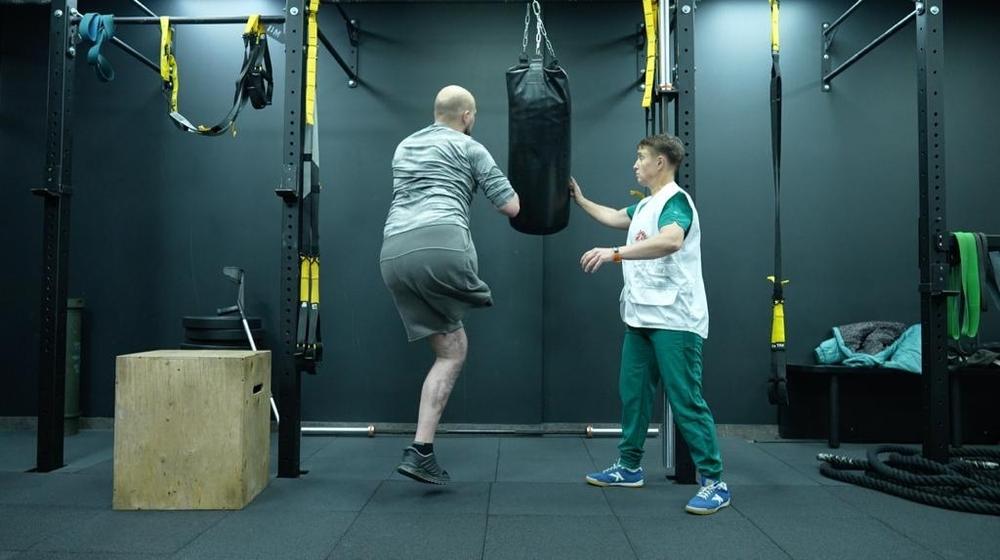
{"x":422,"y":468}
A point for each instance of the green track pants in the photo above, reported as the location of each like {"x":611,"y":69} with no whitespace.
{"x":673,"y":357}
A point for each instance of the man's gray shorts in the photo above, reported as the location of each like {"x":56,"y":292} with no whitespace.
{"x":433,"y":276}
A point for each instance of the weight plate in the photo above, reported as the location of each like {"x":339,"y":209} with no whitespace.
{"x":225,"y":335}
{"x":220,"y":322}
{"x":193,"y":346}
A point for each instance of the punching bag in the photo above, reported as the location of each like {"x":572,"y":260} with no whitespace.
{"x":539,"y":135}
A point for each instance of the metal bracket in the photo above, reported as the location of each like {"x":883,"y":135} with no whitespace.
{"x":52,"y":193}
{"x":349,"y":68}
{"x":825,"y":62}
{"x":827,"y":37}
{"x":354,"y":38}
{"x":288,"y":190}
{"x":938,"y":285}
{"x":940,"y":243}
{"x":640,"y":57}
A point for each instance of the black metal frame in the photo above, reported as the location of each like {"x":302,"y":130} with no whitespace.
{"x":286,"y":365}
{"x":682,"y":97}
{"x":55,"y":234}
{"x":933,"y":230}
{"x":55,"y":237}
{"x":933,"y":245}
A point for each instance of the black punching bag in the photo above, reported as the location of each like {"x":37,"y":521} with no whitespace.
{"x":539,"y":150}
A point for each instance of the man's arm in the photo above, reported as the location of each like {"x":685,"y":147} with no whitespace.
{"x":667,"y":242}
{"x":492,"y":181}
{"x":610,"y":217}
{"x":512,"y":207}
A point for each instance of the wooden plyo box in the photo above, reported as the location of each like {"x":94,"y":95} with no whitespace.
{"x":192,"y":429}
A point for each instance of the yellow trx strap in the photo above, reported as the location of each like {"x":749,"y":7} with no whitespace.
{"x":168,"y":64}
{"x":775,"y":43}
{"x":254,"y":26}
{"x":778,"y":319}
{"x":304,"y":284}
{"x":314,"y":288}
{"x":254,"y":83}
{"x":311,"y":54}
{"x":649,"y":9}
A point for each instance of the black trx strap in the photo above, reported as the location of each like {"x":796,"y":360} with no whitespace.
{"x":309,"y":340}
{"x":777,"y":392}
{"x":255,"y":82}
{"x":308,"y":334}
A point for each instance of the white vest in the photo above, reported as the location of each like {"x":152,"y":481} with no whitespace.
{"x":668,"y":292}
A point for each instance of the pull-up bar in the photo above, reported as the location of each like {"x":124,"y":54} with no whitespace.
{"x":210,"y":20}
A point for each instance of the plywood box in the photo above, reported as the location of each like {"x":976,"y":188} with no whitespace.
{"x":192,"y":429}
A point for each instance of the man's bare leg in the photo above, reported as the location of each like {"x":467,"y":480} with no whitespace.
{"x":449,"y":350}
{"x":418,"y":461}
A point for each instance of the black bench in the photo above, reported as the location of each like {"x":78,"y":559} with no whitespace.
{"x":903,"y":398}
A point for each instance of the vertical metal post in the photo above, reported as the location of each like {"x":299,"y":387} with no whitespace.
{"x":286,"y":365}
{"x":55,"y":237}
{"x":933,"y":232}
{"x":684,"y":106}
{"x":663,"y":28}
{"x":684,"y":471}
{"x":669,"y":439}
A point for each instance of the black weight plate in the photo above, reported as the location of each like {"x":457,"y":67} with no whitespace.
{"x":235,"y":335}
{"x":191,"y":346}
{"x":229,"y":343}
{"x":220,"y":322}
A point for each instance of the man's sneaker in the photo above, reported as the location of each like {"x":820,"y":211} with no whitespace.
{"x":713,"y":496}
{"x":422,"y":468}
{"x":617,"y":475}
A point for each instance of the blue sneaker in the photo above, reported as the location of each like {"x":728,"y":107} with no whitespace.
{"x":713,"y":496}
{"x":617,"y":475}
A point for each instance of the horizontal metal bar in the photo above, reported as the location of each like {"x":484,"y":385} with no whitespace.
{"x":469,"y":1}
{"x":134,"y":53}
{"x":842,"y":17}
{"x":208,"y":20}
{"x":317,"y":431}
{"x":371,"y":431}
{"x":596,"y":432}
{"x":336,"y":55}
{"x":869,"y":47}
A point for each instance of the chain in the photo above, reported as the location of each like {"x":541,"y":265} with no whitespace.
{"x":539,"y":31}
{"x":527,"y":24}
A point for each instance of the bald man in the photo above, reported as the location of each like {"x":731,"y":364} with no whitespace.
{"x":428,"y":260}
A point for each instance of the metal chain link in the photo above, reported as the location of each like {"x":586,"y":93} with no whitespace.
{"x":527,"y":24}
{"x":540,"y":33}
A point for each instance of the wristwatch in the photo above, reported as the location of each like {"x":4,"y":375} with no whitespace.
{"x":617,"y":257}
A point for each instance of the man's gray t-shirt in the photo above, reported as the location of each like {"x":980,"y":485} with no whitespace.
{"x":436,"y":172}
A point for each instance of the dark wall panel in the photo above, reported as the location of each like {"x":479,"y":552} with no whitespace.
{"x":157,"y":213}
